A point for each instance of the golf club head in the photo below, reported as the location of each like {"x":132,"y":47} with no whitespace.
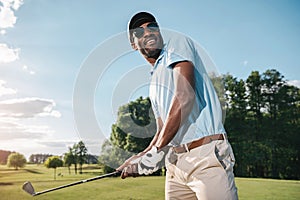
{"x":27,"y":187}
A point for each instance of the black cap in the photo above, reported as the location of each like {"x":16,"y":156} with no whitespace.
{"x":139,"y":19}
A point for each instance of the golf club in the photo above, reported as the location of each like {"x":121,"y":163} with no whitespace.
{"x":27,"y":186}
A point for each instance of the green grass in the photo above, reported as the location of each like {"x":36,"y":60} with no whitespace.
{"x":115,"y":188}
{"x":267,"y":189}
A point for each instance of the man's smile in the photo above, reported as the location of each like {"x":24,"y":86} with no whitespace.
{"x":150,"y":41}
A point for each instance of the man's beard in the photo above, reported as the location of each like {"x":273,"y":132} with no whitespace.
{"x":151,"y":53}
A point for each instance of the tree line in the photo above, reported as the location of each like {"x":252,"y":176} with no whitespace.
{"x":39,"y":158}
{"x":262,"y":122}
{"x":77,"y":155}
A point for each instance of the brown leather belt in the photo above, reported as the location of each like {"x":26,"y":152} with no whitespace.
{"x":197,"y":143}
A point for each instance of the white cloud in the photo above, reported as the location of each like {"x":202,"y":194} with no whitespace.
{"x":7,"y":54}
{"x":5,"y":90}
{"x":19,"y":117}
{"x":294,"y":83}
{"x":16,"y":4}
{"x":28,"y":108}
{"x":245,"y":63}
{"x":7,"y":15}
{"x":10,"y":129}
{"x":58,"y":143}
{"x":26,"y":69}
{"x":16,"y":118}
{"x":8,"y":20}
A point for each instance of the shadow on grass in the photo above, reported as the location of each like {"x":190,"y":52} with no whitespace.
{"x":32,"y":171}
{"x":9,"y":170}
{"x":5,"y":184}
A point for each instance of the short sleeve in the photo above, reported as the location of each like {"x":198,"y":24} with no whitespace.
{"x":180,"y":49}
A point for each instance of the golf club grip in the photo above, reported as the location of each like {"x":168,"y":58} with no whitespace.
{"x":116,"y":173}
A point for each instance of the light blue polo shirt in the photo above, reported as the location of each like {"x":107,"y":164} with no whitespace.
{"x":206,"y":116}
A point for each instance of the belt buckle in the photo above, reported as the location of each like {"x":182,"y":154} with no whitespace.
{"x":180,"y":149}
{"x":186,"y":147}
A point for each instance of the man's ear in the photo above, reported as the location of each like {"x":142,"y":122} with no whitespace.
{"x":133,"y":45}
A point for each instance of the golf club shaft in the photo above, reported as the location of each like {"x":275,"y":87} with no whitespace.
{"x":78,"y":182}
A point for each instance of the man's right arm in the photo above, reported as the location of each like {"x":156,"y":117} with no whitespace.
{"x":159,"y":125}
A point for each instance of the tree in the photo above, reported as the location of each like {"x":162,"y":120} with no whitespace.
{"x":77,"y":154}
{"x":91,"y":159}
{"x":16,"y":160}
{"x":236,"y":106}
{"x":54,"y":162}
{"x":132,"y":133}
{"x":236,"y":123}
{"x":135,"y":126}
{"x":255,"y":102}
{"x":74,"y":152}
{"x":69,"y":159}
{"x":81,"y":154}
{"x":39,"y":158}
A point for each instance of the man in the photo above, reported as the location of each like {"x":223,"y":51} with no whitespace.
{"x":190,"y":135}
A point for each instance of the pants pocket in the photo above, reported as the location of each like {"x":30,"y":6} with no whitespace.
{"x":224,"y":155}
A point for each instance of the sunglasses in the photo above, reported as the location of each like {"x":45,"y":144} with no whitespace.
{"x":139,"y":31}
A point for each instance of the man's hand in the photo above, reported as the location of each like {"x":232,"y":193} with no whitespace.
{"x":146,"y":164}
{"x":151,"y":161}
{"x":130,"y":170}
{"x":129,"y":161}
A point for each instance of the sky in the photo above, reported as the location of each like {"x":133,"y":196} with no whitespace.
{"x":58,"y":83}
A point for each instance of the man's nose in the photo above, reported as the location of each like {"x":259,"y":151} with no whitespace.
{"x":147,"y":31}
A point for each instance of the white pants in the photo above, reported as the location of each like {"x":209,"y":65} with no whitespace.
{"x":204,"y":173}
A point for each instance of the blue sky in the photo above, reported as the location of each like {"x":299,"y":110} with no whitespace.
{"x":44,"y":45}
